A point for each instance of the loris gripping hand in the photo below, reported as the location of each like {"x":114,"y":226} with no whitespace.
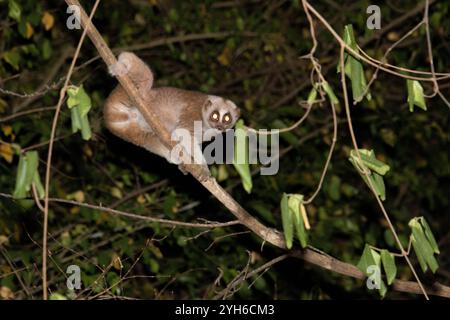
{"x":175,"y":108}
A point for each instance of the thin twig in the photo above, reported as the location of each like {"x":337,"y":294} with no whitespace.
{"x":50,"y":150}
{"x":366,"y":172}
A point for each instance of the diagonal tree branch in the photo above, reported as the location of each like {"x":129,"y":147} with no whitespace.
{"x":269,"y":235}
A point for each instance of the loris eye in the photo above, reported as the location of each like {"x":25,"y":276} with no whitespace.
{"x":227,"y":118}
{"x":214,"y":116}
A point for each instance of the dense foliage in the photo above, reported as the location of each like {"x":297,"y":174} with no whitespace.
{"x":249,"y":52}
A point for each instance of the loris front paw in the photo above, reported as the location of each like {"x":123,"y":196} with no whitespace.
{"x":182,"y":169}
{"x":122,"y":66}
{"x":118,"y":69}
{"x":203,"y":174}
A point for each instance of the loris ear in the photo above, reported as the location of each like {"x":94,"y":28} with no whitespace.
{"x":238,"y":113}
{"x":208,"y":103}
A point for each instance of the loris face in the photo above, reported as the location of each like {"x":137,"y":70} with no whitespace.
{"x":219,"y":113}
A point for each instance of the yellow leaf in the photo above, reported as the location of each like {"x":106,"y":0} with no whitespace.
{"x":224,"y":58}
{"x":7,"y":130}
{"x":4,"y":240}
{"x":48,"y":20}
{"x":222,"y":173}
{"x":153,"y":2}
{"x":115,"y":192}
{"x":30,"y":31}
{"x":74,"y":210}
{"x":6,"y":152}
{"x":393,"y":36}
{"x":6,"y":293}
{"x":140,"y":199}
{"x":79,"y":196}
{"x":116,"y":262}
{"x":5,"y":269}
{"x":87,"y":151}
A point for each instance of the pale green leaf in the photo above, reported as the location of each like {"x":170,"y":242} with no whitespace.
{"x":389,"y":265}
{"x":32,"y":166}
{"x":14,"y":10}
{"x":20,"y":191}
{"x":287,"y":220}
{"x":240,"y":159}
{"x":12,"y":57}
{"x":294,"y":202}
{"x":422,"y":247}
{"x":378,"y":184}
{"x":79,"y":98}
{"x":76,"y":119}
{"x":368,"y":258}
{"x":415,"y":95}
{"x":429,"y":234}
{"x":86,"y":133}
{"x":312,"y":96}
{"x":39,"y":187}
{"x":57,"y":296}
{"x":373,"y":163}
{"x":329,"y":91}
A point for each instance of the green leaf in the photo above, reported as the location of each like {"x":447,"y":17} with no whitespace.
{"x":420,"y":257}
{"x":422,"y":247}
{"x":358,"y":80}
{"x":80,"y":122}
{"x":415,"y":95}
{"x":32,"y":166}
{"x":57,"y":296}
{"x":429,"y":235}
{"x":371,"y":258}
{"x":389,"y":265}
{"x":294,"y":202}
{"x":76,"y":120}
{"x":378,"y":184}
{"x":379,"y":168}
{"x":353,"y":67}
{"x":46,"y":49}
{"x":80,"y":103}
{"x":368,"y":258}
{"x":286,"y":218}
{"x":14,"y":10}
{"x":329,"y":91}
{"x":26,"y":172}
{"x":20,"y":191}
{"x":368,"y":157}
{"x":383,"y":288}
{"x":79,"y":98}
{"x":349,"y":37}
{"x":312,"y":96}
{"x":240,"y":159}
{"x":39,"y":187}
{"x":12,"y":57}
{"x":86,"y":133}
